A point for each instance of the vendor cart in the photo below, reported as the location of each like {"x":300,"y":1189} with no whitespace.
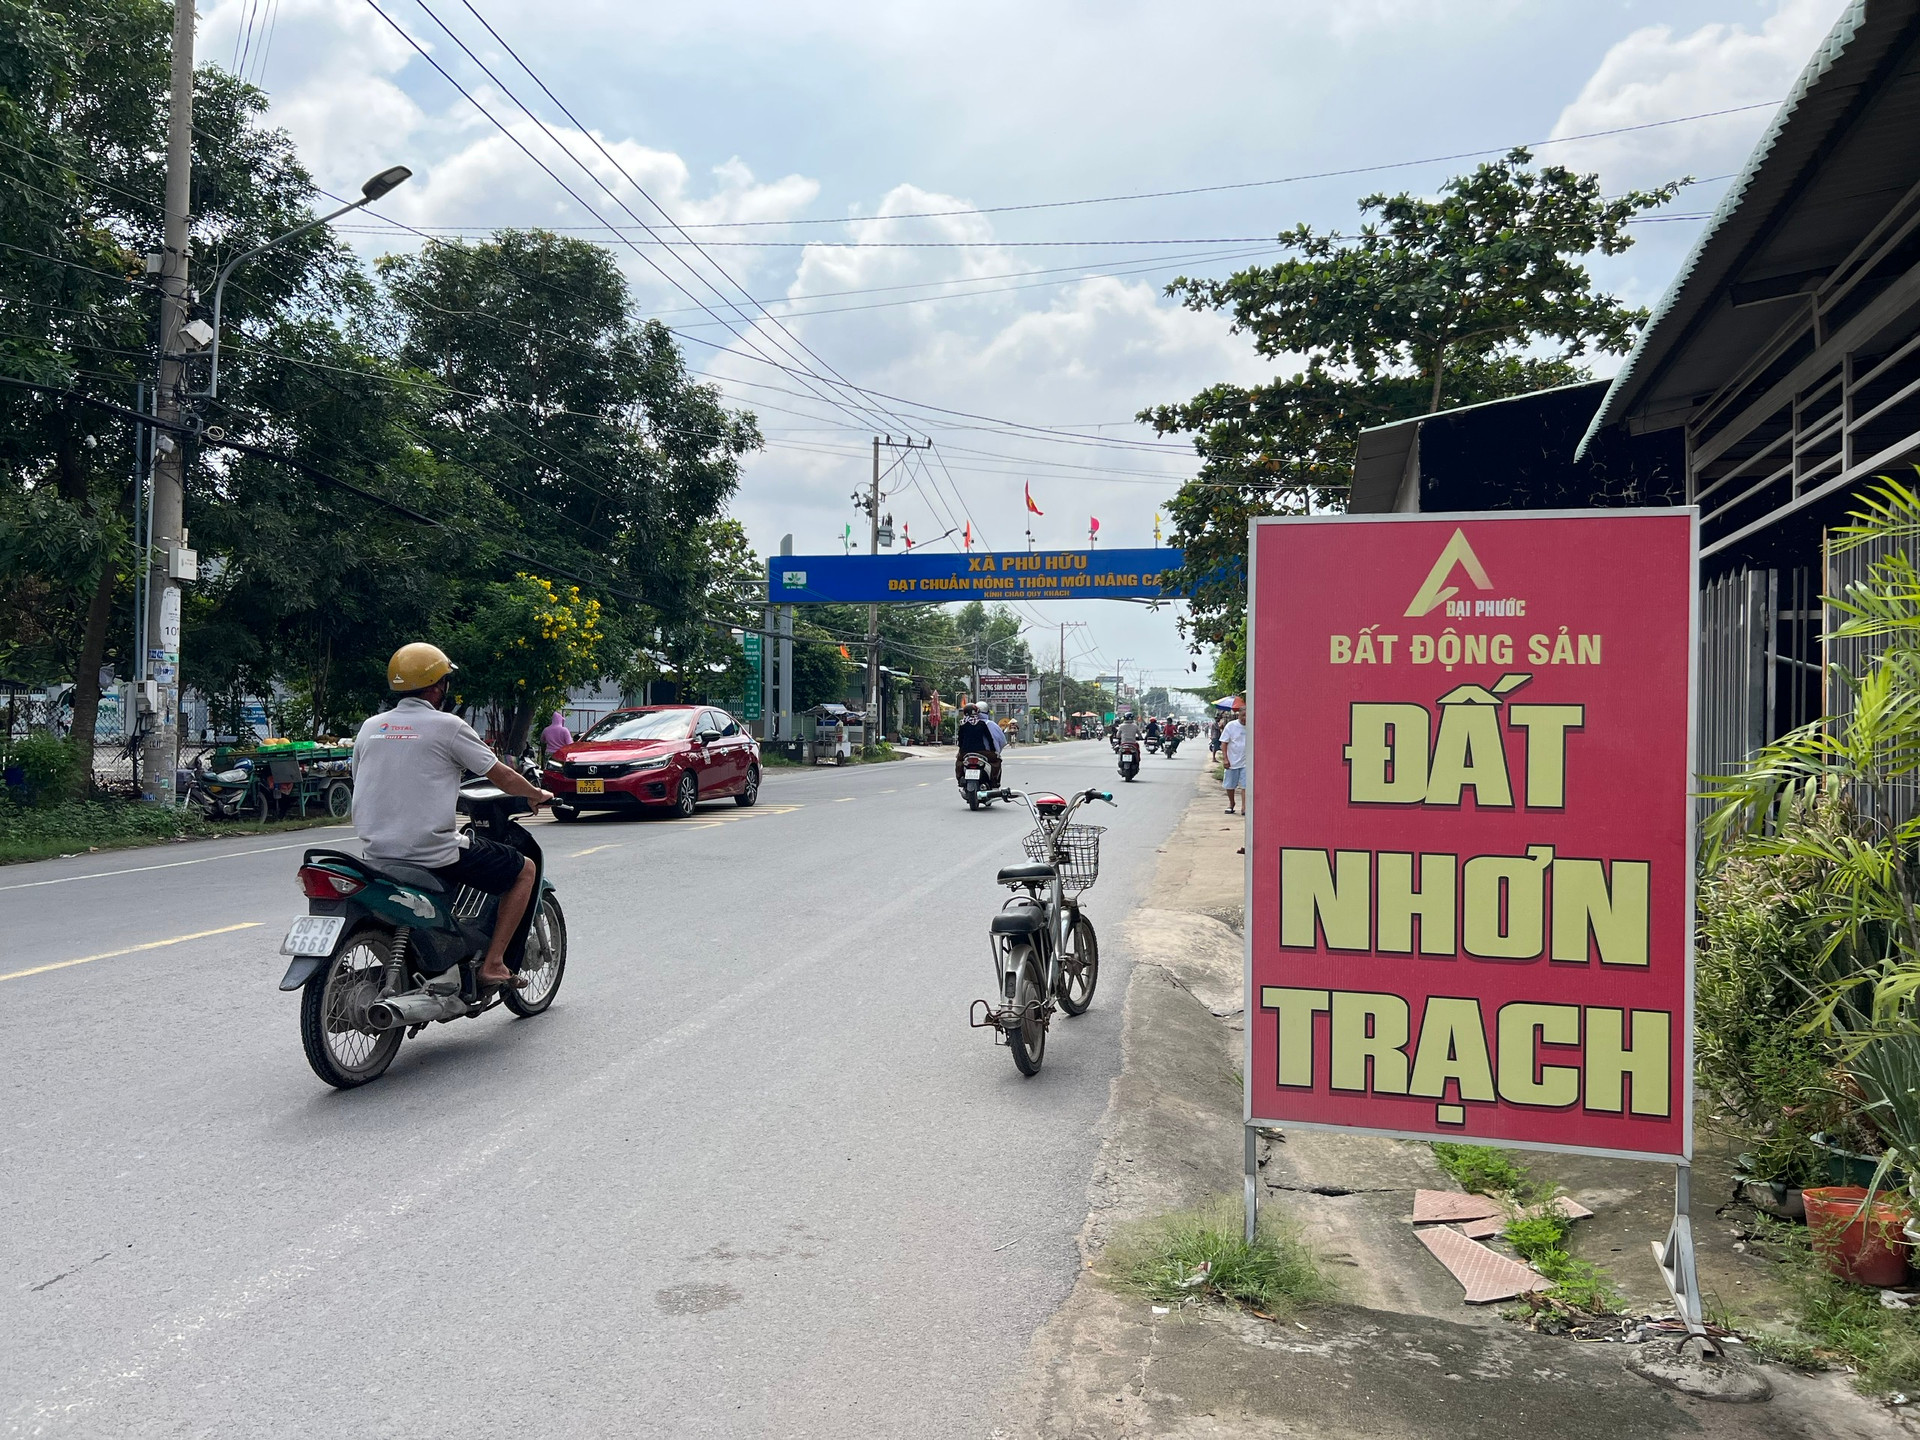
{"x":275,"y":780}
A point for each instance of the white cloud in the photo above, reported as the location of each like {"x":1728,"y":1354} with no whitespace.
{"x":1656,"y":74}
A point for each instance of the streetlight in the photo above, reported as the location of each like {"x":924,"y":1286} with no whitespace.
{"x":379,"y":185}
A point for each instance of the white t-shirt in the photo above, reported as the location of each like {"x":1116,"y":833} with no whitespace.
{"x":407,"y":766}
{"x":1233,"y":740}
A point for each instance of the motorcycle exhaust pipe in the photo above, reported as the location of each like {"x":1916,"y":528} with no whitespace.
{"x":417,"y":1008}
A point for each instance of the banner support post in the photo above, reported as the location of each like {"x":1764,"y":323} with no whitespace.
{"x":1676,"y":1262}
{"x":1252,"y":1181}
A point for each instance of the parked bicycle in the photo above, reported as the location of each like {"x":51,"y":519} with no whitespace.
{"x":1045,"y":952}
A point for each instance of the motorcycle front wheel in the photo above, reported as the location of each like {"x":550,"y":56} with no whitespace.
{"x":545,"y":962}
{"x":1028,"y":1039}
{"x":341,"y":1047}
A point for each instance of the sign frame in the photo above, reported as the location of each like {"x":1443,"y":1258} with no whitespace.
{"x":1685,"y":1096}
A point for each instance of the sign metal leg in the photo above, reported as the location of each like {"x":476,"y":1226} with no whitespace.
{"x":1674,"y":1256}
{"x":1252,"y":1181}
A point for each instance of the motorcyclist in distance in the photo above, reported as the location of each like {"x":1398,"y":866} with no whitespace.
{"x":1153,"y":727}
{"x":408,"y":763}
{"x":975,"y":737}
{"x":1128,"y":729}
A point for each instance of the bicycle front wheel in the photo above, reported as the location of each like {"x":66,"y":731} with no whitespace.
{"x":1079,"y":967}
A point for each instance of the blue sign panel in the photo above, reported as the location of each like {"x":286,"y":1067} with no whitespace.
{"x":924,"y":578}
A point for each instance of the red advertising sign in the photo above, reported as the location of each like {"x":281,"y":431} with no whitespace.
{"x":1470,"y":872}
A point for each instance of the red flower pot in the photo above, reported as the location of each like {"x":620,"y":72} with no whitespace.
{"x":1867,"y":1247}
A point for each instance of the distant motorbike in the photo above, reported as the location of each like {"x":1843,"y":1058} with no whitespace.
{"x":1153,"y":744}
{"x":976,"y":780}
{"x":1129,"y":759}
{"x":1172,"y":745}
{"x":384,"y":950}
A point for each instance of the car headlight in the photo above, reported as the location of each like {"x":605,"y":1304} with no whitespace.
{"x":659,"y":764}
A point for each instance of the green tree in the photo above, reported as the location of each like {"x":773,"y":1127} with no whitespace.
{"x":83,"y":109}
{"x":1478,"y":293}
{"x":612,"y":457}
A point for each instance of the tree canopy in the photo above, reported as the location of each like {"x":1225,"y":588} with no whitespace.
{"x":502,"y":389}
{"x":1477,"y":293}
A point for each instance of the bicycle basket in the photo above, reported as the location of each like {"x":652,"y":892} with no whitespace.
{"x":1075,"y":849}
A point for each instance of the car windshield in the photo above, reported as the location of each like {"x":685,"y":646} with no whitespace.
{"x":646,"y":725}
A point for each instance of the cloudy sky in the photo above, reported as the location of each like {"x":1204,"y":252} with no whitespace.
{"x":1023,"y":339}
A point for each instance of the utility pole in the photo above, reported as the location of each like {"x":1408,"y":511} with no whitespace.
{"x":166,"y":538}
{"x":873,"y":609}
{"x":1066,"y":625}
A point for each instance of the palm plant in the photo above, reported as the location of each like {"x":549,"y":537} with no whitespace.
{"x":1827,"y":793}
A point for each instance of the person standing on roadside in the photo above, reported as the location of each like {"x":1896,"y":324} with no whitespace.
{"x":1214,"y":727}
{"x":1233,"y":750}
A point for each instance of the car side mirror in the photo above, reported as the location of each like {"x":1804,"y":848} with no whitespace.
{"x":707,"y":737}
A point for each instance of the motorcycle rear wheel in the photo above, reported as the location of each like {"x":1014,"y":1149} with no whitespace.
{"x":341,"y":1052}
{"x":546,"y":961}
{"x":973,"y":799}
{"x":1028,"y":1039}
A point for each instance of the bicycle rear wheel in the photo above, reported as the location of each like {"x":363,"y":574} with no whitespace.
{"x":1028,"y":1037}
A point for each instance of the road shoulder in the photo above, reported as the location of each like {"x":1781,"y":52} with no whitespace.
{"x":1399,"y":1355}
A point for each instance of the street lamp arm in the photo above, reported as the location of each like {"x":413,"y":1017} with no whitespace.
{"x":220,"y":285}
{"x":372,"y":190}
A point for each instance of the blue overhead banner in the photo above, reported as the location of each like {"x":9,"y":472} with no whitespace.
{"x":923,"y":577}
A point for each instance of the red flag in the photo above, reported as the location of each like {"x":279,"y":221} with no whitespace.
{"x":1093,"y":527}
{"x":1030,"y":505}
{"x":905,"y":536}
{"x":967,"y":535}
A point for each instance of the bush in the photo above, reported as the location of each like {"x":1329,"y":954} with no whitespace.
{"x":1194,"y":1253}
{"x":33,"y":833}
{"x":1762,"y":1060}
{"x":51,"y":769}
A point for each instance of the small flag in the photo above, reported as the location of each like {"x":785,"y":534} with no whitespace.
{"x":1093,"y":530}
{"x":967,"y":535}
{"x":1156,"y":528}
{"x":843,"y":653}
{"x":846,"y":540}
{"x":905,"y":536}
{"x":1030,"y":505}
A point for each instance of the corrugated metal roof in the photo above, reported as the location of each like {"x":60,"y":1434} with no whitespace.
{"x":1732,"y":222}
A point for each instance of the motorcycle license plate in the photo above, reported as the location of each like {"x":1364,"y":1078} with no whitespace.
{"x":590,"y":787}
{"x":313,"y":935}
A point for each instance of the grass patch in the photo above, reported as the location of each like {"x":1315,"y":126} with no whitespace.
{"x":1484,"y":1170}
{"x":1838,"y":1323}
{"x":1197,"y":1253}
{"x":1538,"y":1234}
{"x":80,"y":826}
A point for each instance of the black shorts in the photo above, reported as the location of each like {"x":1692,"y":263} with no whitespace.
{"x":485,"y":864}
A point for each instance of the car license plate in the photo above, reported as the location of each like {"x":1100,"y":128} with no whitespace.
{"x":590,"y":787}
{"x":313,"y":935}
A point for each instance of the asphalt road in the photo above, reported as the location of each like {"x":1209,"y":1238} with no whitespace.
{"x":751,"y":1175}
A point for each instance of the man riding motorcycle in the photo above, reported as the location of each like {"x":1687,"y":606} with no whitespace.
{"x":976,"y":737}
{"x":408,"y":763}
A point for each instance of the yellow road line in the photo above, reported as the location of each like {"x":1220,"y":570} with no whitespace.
{"x":134,"y":949}
{"x":596,"y":849}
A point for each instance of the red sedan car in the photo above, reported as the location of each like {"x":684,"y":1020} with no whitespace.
{"x":668,"y":755}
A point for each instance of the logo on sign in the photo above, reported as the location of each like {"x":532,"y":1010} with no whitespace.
{"x":1435,"y":592}
{"x":794,"y":579}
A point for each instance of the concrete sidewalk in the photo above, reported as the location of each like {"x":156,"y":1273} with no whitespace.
{"x":1399,"y":1355}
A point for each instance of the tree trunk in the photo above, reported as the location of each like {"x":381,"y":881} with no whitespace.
{"x":86,"y":680}
{"x":518,"y":723}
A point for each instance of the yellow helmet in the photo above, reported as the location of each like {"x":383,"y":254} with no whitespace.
{"x":416,"y":666}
